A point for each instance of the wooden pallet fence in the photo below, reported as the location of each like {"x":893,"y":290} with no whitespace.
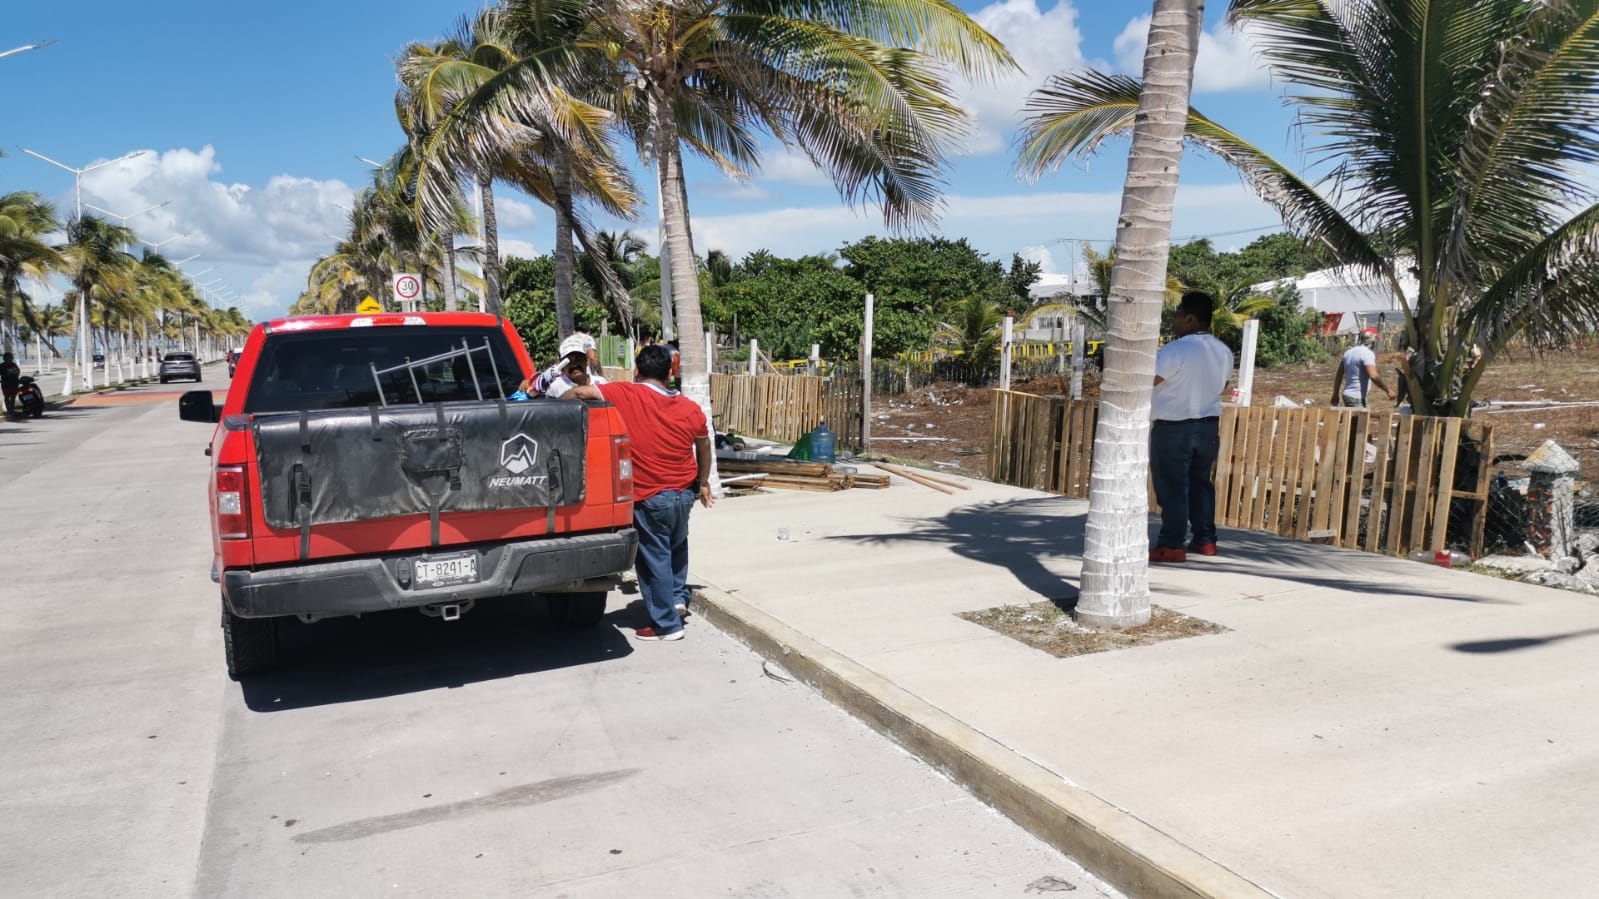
{"x":1382,"y":483}
{"x":785,"y":407}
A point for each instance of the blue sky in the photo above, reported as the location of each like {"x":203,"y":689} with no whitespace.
{"x":252,"y":118}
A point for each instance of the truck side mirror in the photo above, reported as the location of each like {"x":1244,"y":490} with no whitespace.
{"x":197,"y":405}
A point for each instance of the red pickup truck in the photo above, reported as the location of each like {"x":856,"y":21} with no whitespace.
{"x":362,"y":463}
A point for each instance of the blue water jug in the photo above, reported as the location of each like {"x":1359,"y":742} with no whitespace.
{"x":824,"y":443}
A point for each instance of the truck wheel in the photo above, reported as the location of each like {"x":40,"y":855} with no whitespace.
{"x":250,"y":644}
{"x":576,"y":610}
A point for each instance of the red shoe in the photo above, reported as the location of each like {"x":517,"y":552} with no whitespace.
{"x":1167,"y":554}
{"x":650,"y":633}
{"x":1204,"y":549}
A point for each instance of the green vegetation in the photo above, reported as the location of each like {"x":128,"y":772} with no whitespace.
{"x":1456,"y":140}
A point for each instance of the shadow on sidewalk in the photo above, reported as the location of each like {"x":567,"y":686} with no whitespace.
{"x":390,"y":653}
{"x":1512,"y":644}
{"x":1017,"y":535}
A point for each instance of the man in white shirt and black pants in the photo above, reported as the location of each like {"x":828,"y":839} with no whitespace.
{"x":1190,"y":373}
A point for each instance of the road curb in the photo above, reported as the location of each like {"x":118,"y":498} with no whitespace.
{"x":1116,"y":846}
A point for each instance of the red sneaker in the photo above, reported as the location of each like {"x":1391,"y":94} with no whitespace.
{"x":650,"y":633}
{"x":1167,"y":554}
{"x":1204,"y":549}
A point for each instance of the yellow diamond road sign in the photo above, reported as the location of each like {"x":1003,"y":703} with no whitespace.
{"x":369,"y":306}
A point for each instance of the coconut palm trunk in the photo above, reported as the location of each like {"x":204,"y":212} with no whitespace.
{"x":491,"y":244}
{"x":447,"y":253}
{"x":680,"y":250}
{"x":561,"y":175}
{"x":1115,"y":579}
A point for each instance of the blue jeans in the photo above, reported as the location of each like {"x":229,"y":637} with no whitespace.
{"x":662,"y":524}
{"x":1181,"y":457}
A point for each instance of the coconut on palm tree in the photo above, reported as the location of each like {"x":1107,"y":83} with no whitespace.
{"x":1454,"y":137}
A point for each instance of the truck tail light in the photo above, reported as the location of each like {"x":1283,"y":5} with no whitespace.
{"x":623,"y":488}
{"x":233,"y":506}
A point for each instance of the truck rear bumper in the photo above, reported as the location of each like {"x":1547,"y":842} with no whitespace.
{"x":379,"y":583}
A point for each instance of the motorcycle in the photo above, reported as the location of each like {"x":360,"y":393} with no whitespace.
{"x":30,"y":399}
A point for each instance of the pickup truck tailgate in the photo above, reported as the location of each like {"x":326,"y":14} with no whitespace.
{"x":346,"y":465}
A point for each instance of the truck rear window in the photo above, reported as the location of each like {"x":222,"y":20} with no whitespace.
{"x":358,"y":367}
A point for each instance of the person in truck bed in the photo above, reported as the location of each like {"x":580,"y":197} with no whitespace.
{"x":671,"y":465}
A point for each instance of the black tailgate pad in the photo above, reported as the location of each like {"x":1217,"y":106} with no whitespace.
{"x":327,"y":467}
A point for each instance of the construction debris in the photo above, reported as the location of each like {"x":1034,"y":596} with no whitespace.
{"x":785,"y":474}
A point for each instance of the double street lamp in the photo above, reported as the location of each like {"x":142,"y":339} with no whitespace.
{"x":84,"y":351}
{"x":41,"y":44}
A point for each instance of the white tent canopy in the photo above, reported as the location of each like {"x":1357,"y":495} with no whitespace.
{"x":1345,"y":289}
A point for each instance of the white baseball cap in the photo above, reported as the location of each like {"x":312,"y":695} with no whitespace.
{"x":575,"y":344}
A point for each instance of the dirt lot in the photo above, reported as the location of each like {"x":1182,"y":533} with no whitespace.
{"x":961,"y":416}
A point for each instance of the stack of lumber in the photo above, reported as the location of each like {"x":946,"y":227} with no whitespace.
{"x":786,"y":474}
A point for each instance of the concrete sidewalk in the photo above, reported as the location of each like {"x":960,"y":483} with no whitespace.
{"x":1368,"y":726}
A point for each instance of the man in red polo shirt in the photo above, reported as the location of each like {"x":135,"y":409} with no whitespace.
{"x":671,"y":466}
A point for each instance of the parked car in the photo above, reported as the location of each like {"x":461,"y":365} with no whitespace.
{"x":180,"y":365}
{"x":362,"y":463}
{"x":99,"y":361}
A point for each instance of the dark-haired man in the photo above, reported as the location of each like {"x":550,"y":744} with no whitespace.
{"x":671,"y":467}
{"x":1190,"y":373}
{"x":10,"y":381}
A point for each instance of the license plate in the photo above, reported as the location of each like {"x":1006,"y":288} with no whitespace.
{"x":448,"y":570}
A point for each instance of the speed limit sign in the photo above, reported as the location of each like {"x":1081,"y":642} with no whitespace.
{"x":407,"y":288}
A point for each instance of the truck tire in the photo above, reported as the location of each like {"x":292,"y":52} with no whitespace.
{"x":250,"y":644}
{"x":576,"y":610}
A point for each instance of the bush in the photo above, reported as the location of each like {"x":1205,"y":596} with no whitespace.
{"x":1285,"y":333}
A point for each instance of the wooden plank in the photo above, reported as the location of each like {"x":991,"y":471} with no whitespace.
{"x":1484,"y":477}
{"x":1445,"y":479}
{"x":1305,"y":479}
{"x":1326,"y":455}
{"x":777,"y":465}
{"x":1259,"y":469}
{"x":1356,"y":488}
{"x":1282,"y":521}
{"x":1379,"y":484}
{"x":1267,"y":510}
{"x":1230,"y":427}
{"x":1399,"y":499}
{"x":1421,"y":499}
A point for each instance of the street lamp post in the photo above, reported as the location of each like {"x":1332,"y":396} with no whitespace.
{"x":84,"y":352}
{"x":37,"y":46}
{"x":127,"y":248}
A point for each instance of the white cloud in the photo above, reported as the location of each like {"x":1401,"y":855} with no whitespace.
{"x":1040,"y":254}
{"x":287,"y":218}
{"x":1227,"y":61}
{"x":787,"y":166}
{"x":509,"y":213}
{"x":997,"y":225}
{"x":1042,"y":43}
{"x":519,"y":248}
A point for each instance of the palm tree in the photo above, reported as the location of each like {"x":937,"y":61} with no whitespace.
{"x":860,"y":87}
{"x":975,"y":332}
{"x":1100,"y":268}
{"x":618,"y":254}
{"x":51,"y":322}
{"x":93,"y":260}
{"x":25,"y":221}
{"x":474,"y":115}
{"x":1458,"y":132}
{"x":1115,"y":579}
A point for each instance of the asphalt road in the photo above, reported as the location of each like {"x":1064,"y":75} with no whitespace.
{"x":401,"y":756}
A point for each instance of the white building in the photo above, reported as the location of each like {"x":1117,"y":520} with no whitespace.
{"x":1354,"y":299}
